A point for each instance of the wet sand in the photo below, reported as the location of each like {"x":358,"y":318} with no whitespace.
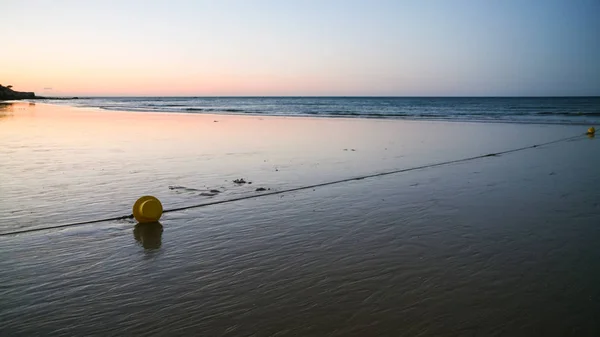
{"x":504,"y":245}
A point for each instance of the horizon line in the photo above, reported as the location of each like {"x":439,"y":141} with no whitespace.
{"x":319,"y":96}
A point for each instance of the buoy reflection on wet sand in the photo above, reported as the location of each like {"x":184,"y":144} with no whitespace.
{"x":149,"y":235}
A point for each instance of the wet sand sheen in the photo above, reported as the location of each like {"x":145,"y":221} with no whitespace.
{"x":503,"y":245}
{"x":89,"y":164}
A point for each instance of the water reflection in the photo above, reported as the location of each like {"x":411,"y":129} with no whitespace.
{"x":149,"y":235}
{"x":6,"y":109}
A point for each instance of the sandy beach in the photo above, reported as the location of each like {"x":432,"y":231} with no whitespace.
{"x":503,"y":245}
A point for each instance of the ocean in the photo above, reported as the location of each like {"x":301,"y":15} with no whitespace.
{"x":543,"y":110}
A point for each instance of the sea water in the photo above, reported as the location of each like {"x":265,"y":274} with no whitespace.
{"x":557,"y":110}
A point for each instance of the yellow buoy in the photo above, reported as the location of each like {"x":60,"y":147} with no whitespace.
{"x":147,"y":209}
{"x":591,"y":131}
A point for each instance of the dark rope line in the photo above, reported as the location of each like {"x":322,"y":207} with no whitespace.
{"x":366,"y":176}
{"x":21,"y":231}
{"x":299,"y":188}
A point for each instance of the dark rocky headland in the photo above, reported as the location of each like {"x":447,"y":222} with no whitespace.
{"x":8,"y":94}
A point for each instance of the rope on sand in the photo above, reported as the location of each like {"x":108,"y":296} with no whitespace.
{"x":299,"y":188}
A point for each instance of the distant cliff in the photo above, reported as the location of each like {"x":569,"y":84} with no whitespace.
{"x":6,"y":93}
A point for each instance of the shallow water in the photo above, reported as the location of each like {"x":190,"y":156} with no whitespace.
{"x":505,"y":245}
{"x":556,"y":110}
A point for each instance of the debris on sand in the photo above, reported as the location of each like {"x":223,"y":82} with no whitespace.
{"x":183,"y":189}
{"x":215,"y":191}
{"x":261,"y":189}
{"x":240,"y":181}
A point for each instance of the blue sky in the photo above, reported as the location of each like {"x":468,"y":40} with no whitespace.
{"x":302,"y":47}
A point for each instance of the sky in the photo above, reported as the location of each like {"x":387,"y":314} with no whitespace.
{"x":301,"y":47}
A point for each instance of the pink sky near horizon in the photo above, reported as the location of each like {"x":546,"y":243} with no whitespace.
{"x":132,"y":81}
